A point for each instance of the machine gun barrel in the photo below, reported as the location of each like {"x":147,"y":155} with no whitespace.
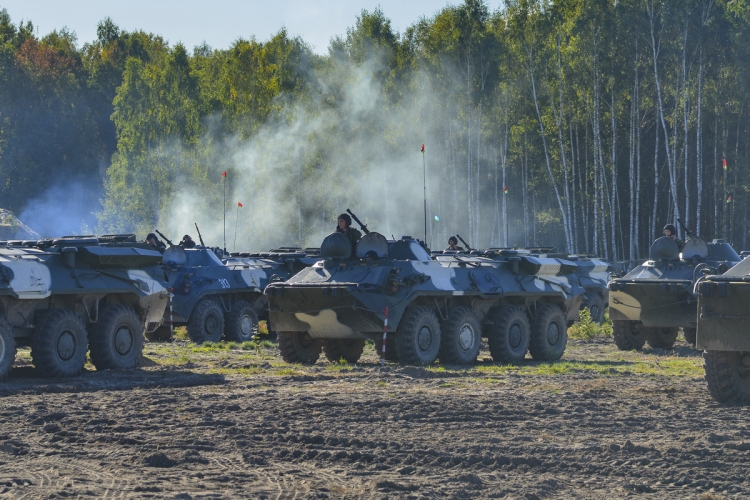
{"x":165,"y":238}
{"x":463,"y":241}
{"x":199,"y":235}
{"x":356,"y":219}
{"x":684,"y":228}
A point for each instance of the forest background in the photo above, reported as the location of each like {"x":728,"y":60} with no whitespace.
{"x":585,"y":125}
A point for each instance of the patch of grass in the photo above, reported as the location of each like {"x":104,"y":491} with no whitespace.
{"x":339,"y":366}
{"x":180,"y":333}
{"x":382,"y":384}
{"x":586,"y":329}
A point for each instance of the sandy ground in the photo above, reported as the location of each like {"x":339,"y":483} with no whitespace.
{"x":198,"y":423}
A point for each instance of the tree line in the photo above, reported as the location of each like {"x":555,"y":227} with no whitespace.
{"x":569,"y":123}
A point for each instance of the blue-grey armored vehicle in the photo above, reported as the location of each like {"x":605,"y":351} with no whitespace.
{"x":437,"y":308}
{"x":656,"y":298}
{"x":723,"y":319}
{"x":67,"y":296}
{"x":221,"y":296}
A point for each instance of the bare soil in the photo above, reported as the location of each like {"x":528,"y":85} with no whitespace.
{"x":209,"y":423}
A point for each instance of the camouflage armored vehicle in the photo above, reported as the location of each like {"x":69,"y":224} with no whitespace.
{"x":654,"y":300}
{"x":436,"y":308}
{"x":67,"y":296}
{"x":221,"y":296}
{"x":723,"y":314}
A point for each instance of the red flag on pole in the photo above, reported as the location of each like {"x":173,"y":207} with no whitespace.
{"x":729,"y":200}
{"x":505,"y":190}
{"x":224,"y":174}
{"x":422,"y":150}
{"x":725,"y":163}
{"x":239,"y":205}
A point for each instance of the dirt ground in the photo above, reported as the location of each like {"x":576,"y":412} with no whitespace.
{"x":215,"y":423}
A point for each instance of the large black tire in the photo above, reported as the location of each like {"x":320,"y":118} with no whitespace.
{"x":299,"y":347}
{"x":627,"y":336}
{"x":60,"y":344}
{"x":161,"y":334}
{"x":418,"y":337}
{"x":117,"y":341}
{"x":206,"y":323}
{"x":509,"y":335}
{"x":241,"y":323}
{"x":728,"y":375}
{"x":390,"y":348}
{"x":348,"y":349}
{"x":691,"y":335}
{"x":661,"y":338}
{"x":595,"y":305}
{"x":7,"y":348}
{"x":460,"y":337}
{"x":549,"y":335}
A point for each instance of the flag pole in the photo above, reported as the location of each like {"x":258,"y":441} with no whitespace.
{"x":236,"y":222}
{"x":224,"y":179}
{"x":424,"y":187}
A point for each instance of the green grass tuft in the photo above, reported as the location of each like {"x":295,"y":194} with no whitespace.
{"x":586,"y":329}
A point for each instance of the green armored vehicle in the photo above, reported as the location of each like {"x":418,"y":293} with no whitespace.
{"x":436,"y":308}
{"x":723,"y":335}
{"x":655,"y":299}
{"x":67,"y":296}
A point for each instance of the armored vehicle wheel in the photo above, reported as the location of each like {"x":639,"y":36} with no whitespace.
{"x":348,"y":349}
{"x":299,"y":347}
{"x":206,"y":323}
{"x":241,"y":323}
{"x":161,"y":334}
{"x":549,"y":335}
{"x":461,"y":337}
{"x":595,"y":305}
{"x":661,"y":338}
{"x":691,"y":335}
{"x":390,"y":348}
{"x":117,"y":341}
{"x":728,"y":375}
{"x":60,"y":344}
{"x":627,"y":336}
{"x":509,"y":336}
{"x":7,"y":348}
{"x":418,"y":337}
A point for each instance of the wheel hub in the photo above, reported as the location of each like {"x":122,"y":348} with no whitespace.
{"x":466,"y":337}
{"x":123,"y":340}
{"x":553,"y":333}
{"x":246,"y":326}
{"x":66,"y":345}
{"x":305,"y":340}
{"x":424,"y":338}
{"x":514,"y":336}
{"x":211,"y":325}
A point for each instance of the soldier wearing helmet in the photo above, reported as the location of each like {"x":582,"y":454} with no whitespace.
{"x":671,"y":232}
{"x":344,"y":226}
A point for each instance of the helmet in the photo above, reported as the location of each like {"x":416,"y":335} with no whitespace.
{"x":346,"y":219}
{"x":670,"y":228}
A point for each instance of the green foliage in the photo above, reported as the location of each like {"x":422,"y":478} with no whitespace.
{"x":586,"y":329}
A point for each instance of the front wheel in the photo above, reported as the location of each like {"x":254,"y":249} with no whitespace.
{"x":628,"y":335}
{"x":117,"y":342}
{"x":509,"y":336}
{"x":7,"y":348}
{"x":418,"y":337}
{"x":241,"y":323}
{"x":728,"y":375}
{"x":299,"y":347}
{"x":461,"y":337}
{"x":206,"y":323}
{"x":350,"y":350}
{"x":661,"y":338}
{"x":60,"y":344}
{"x":549,"y":335}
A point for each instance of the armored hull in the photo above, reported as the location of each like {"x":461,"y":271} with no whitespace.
{"x":436,"y":308}
{"x":62,"y":297}
{"x":657,"y":298}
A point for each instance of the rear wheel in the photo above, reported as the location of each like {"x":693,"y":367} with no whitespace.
{"x":7,"y":348}
{"x":595,"y":305}
{"x":206,"y":323}
{"x":661,"y":338}
{"x":60,"y":344}
{"x":628,"y":335}
{"x":299,"y":347}
{"x":461,"y":337}
{"x":349,"y":350}
{"x":509,"y":336}
{"x":549,"y":335}
{"x":390,"y":348}
{"x":728,"y":375}
{"x":117,"y":341}
{"x":691,"y":335}
{"x":418,"y":337}
{"x":241,"y":323}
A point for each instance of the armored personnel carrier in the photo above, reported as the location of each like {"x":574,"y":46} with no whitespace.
{"x":723,"y":314}
{"x":655,"y":299}
{"x":67,"y":296}
{"x":437,"y":308}
{"x":221,"y":296}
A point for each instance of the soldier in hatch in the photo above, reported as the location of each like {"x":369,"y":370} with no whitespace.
{"x":453,"y":244}
{"x":671,"y":232}
{"x":187,"y":242}
{"x":344,"y":226}
{"x":152,"y":240}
